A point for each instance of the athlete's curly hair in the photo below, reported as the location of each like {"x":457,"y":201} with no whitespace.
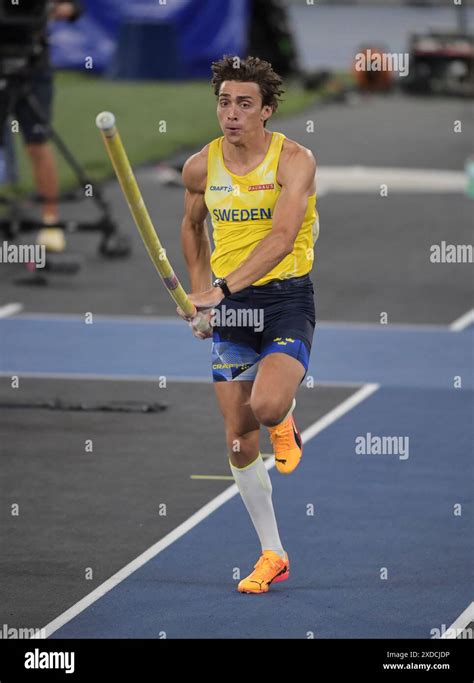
{"x":252,"y":69}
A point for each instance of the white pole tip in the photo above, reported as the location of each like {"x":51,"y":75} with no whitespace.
{"x":105,"y":120}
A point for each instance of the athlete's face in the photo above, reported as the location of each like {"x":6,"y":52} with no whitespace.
{"x":240,"y":111}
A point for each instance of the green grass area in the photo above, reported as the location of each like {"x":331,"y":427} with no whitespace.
{"x":187,"y":108}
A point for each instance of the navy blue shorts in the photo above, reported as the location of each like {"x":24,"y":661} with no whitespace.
{"x":278,"y":317}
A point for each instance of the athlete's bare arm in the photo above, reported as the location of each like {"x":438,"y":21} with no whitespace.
{"x":194,"y":233}
{"x":296,"y":175}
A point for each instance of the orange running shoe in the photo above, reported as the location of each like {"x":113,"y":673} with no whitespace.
{"x":270,"y":568}
{"x":287,"y":444}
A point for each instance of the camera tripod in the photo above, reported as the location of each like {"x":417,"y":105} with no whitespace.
{"x":112,"y":243}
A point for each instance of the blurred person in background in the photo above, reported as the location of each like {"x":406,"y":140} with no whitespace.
{"x":39,"y":84}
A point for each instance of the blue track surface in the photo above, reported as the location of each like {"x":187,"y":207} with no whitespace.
{"x":371,"y":511}
{"x":393,"y":356}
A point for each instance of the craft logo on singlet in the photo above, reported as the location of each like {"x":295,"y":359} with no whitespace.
{"x":221,"y":188}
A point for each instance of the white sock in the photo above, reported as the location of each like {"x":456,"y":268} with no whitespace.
{"x":255,"y":488}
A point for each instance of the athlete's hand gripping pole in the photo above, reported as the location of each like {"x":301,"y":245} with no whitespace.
{"x":118,"y":156}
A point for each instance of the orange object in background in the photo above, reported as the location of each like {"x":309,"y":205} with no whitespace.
{"x":368,"y":70}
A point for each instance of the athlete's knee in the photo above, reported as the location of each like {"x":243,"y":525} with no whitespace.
{"x":269,"y":410}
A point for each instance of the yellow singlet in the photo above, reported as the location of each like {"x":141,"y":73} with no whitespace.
{"x":241,"y":209}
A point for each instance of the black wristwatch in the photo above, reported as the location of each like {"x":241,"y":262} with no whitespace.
{"x":221,"y":282}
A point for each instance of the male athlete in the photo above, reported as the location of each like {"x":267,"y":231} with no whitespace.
{"x":259,"y":188}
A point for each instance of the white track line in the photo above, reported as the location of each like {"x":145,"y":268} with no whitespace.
{"x":112,"y":378}
{"x":150,"y":378}
{"x":463,"y":322}
{"x":349,"y":179}
{"x":174,"y":320}
{"x":212,"y":477}
{"x":195,"y":519}
{"x":460,"y":624}
{"x":103,"y":317}
{"x":10,"y":309}
{"x":397,"y":327}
